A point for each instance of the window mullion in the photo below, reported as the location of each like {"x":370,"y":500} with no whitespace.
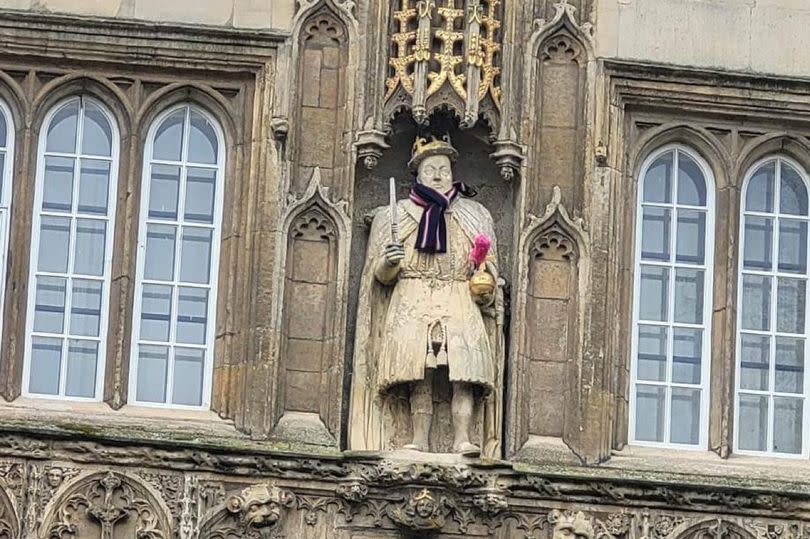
{"x":671,"y":294}
{"x":72,"y":239}
{"x":774,"y":303}
{"x":181,"y":207}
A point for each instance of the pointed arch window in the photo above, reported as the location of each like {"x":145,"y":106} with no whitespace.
{"x":71,"y":251}
{"x":770,"y":408}
{"x":178,"y":259}
{"x":672,"y":301}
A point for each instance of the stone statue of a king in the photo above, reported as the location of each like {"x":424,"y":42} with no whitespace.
{"x":429,"y":322}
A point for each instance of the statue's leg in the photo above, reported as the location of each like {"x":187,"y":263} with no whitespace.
{"x":422,"y":412}
{"x":462,"y":409}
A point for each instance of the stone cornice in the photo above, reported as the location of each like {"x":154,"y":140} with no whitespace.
{"x":110,"y":40}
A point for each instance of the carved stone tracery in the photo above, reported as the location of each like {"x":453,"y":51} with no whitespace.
{"x":106,"y":506}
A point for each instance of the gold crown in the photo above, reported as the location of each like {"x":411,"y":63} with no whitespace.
{"x":423,"y":148}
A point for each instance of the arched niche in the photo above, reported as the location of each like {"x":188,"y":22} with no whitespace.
{"x":320,"y":116}
{"x":308,"y":336}
{"x":546,"y":327}
{"x":474,"y":166}
{"x":557,"y":118}
{"x":105,"y":505}
{"x":312,"y":319}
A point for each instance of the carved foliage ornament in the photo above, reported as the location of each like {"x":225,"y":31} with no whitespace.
{"x":445,"y":55}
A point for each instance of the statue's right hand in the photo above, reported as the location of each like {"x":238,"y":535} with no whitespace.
{"x":394,"y":254}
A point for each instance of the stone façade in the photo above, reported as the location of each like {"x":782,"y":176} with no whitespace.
{"x":312,"y":134}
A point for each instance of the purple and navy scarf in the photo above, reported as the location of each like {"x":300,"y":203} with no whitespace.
{"x":432,"y":234}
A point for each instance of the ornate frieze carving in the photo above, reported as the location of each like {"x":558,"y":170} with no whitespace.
{"x":363,"y":492}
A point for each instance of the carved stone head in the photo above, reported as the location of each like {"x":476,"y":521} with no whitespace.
{"x":54,"y":476}
{"x":259,"y":506}
{"x":573,"y":526}
{"x":425,"y":506}
{"x":421,"y":511}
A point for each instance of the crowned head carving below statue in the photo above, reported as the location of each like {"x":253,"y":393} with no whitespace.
{"x":428,"y":295}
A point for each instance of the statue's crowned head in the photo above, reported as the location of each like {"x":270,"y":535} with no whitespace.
{"x":432,"y":161}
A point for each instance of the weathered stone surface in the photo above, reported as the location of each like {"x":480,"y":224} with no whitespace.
{"x":579,"y":111}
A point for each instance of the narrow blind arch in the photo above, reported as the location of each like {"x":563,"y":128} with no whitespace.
{"x":71,"y":251}
{"x":671,"y":344}
{"x":771,"y":389}
{"x":178,"y":260}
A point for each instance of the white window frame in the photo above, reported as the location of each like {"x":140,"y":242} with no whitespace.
{"x":772,"y":333}
{"x":112,"y":195}
{"x":6,"y":200}
{"x":708,"y":284}
{"x":216,"y":238}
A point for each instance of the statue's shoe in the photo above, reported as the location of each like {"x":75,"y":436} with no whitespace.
{"x":468,"y":449}
{"x":414,"y":447}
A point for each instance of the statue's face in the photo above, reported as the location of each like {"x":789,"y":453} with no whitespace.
{"x":436,"y":172}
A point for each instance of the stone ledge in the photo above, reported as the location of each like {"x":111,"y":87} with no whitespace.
{"x":179,"y":429}
{"x":208,"y":443}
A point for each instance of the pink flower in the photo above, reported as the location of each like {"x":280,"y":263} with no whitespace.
{"x":481,"y":245}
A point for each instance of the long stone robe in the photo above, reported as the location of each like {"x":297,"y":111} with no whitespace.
{"x":397,"y":323}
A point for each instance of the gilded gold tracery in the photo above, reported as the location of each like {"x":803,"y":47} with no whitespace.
{"x":438,"y":44}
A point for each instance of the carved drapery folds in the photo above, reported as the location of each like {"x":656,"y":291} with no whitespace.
{"x":445,"y":53}
{"x":546,"y":325}
{"x":106,"y":505}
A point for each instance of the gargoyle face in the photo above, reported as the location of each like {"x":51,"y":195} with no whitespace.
{"x":564,"y":532}
{"x":262,"y":514}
